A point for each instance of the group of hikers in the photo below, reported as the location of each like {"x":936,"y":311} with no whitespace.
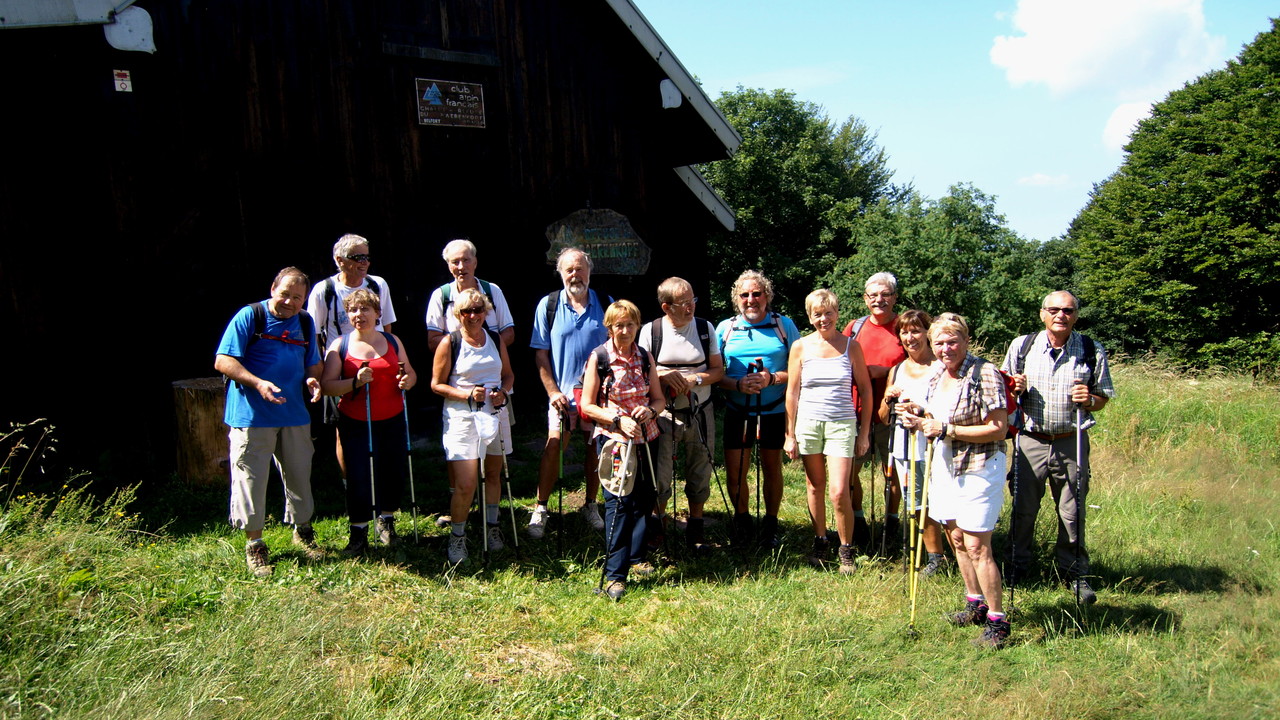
{"x":898,"y":390}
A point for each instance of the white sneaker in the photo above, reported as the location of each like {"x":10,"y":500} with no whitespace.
{"x":494,"y":537}
{"x":457,"y":549}
{"x":591,"y":511}
{"x":538,"y":522}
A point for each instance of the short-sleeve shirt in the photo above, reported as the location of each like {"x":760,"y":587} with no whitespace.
{"x":281,"y":363}
{"x":440,"y":316}
{"x":1046,"y":405}
{"x":741,"y":343}
{"x":682,"y":350}
{"x":331,"y":317}
{"x":880,"y":347}
{"x":571,"y":339}
{"x":628,"y":390}
{"x":979,"y":392}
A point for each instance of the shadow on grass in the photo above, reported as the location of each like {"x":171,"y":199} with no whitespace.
{"x":1064,"y":618}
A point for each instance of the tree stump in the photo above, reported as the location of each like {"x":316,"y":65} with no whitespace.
{"x":202,"y":436}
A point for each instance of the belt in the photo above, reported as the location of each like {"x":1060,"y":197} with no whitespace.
{"x":1046,"y":437}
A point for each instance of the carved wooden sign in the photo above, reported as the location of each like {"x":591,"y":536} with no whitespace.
{"x":606,"y":236}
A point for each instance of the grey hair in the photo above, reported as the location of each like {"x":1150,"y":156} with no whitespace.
{"x":672,"y":286}
{"x":458,"y":243}
{"x":883,"y":278}
{"x":571,"y":251}
{"x":1074,"y":299}
{"x":345,"y":243}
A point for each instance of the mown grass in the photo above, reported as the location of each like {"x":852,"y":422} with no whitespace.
{"x":99,"y":618}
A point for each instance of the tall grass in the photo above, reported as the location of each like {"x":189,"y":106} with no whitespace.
{"x":101,"y":619}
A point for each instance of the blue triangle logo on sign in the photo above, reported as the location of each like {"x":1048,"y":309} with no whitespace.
{"x":432,"y":95}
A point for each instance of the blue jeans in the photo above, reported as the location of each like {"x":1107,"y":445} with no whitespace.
{"x":626,"y":517}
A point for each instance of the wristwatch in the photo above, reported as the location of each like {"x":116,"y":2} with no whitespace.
{"x":697,"y":379}
{"x":617,"y":423}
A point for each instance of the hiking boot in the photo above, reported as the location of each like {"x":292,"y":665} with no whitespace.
{"x":974,"y":613}
{"x":848,"y":565}
{"x":304,"y":536}
{"x":769,"y":533}
{"x":614,"y":590}
{"x":818,"y":558}
{"x":643,"y":569}
{"x":1080,"y":588}
{"x":538,"y":522}
{"x":861,"y":532}
{"x":493,"y":536}
{"x":937,"y":563}
{"x":257,"y":558}
{"x":457,"y":552}
{"x":742,"y":529}
{"x":357,"y":543}
{"x":995,"y":635}
{"x":591,"y":513}
{"x":386,"y":530}
{"x":443,"y":521}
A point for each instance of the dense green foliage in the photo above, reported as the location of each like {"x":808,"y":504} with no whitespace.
{"x":796,"y":182}
{"x":951,"y":254}
{"x":108,"y":614}
{"x":1179,"y":250}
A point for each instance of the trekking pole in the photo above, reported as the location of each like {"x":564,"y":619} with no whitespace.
{"x":701,"y":428}
{"x":481,"y":480}
{"x":666,"y":542}
{"x":408,"y":446}
{"x":744,"y":455}
{"x":610,"y":537}
{"x":1013,"y":525}
{"x":913,"y":519}
{"x":1079,"y":485}
{"x":915,"y":568}
{"x":756,"y":447}
{"x":368,"y":421}
{"x":564,"y":432}
{"x":506,"y":476}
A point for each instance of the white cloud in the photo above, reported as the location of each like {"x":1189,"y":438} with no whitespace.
{"x":1124,"y":119}
{"x":1042,"y":180}
{"x":1134,"y":48}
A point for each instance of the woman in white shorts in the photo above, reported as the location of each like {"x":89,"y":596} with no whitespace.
{"x":964,"y":414}
{"x":473,"y":374}
{"x":822,"y":423}
{"x":909,"y":381}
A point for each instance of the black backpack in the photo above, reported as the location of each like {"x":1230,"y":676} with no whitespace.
{"x":704,"y":337}
{"x":1090,"y":355}
{"x":331,"y":299}
{"x":260,"y":330}
{"x":455,"y":345}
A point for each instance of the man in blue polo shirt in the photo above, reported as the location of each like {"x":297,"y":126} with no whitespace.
{"x":561,"y":350}
{"x":270,"y":354}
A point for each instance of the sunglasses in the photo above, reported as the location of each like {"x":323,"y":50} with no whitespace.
{"x":472,"y":311}
{"x":1068,"y":311}
{"x":362,"y":257}
{"x":752,"y":294}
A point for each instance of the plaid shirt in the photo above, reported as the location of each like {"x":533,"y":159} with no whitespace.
{"x":1046,"y":405}
{"x":629,"y":390}
{"x":981,"y":392}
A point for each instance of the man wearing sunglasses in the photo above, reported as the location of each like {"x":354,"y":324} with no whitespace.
{"x":1055,"y":372}
{"x":325,"y":304}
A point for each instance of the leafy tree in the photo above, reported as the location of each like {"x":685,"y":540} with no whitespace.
{"x":1179,"y":250}
{"x":796,"y":183}
{"x":951,"y":254}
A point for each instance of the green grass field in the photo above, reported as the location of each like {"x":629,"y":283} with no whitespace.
{"x":106,"y":612}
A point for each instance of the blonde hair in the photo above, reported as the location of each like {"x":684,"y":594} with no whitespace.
{"x":618,"y":310}
{"x":467,"y":298}
{"x":821,"y":298}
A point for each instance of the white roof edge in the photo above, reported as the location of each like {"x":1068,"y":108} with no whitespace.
{"x":50,"y":13}
{"x":670,"y":64}
{"x":707,"y":195}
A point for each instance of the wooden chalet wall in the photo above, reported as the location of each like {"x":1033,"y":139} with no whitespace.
{"x":134,"y":225}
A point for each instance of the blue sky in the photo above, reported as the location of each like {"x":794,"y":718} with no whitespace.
{"x":1029,"y":100}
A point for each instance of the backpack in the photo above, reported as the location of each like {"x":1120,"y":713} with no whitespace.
{"x":856,"y":326}
{"x":446,"y":294}
{"x":606,"y":377}
{"x":704,"y":337}
{"x":776,"y":325}
{"x":331,"y":299}
{"x":342,"y":351}
{"x":455,"y":344}
{"x":260,"y":331}
{"x":1019,"y":366}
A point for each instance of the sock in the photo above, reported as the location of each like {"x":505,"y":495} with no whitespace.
{"x":993,"y":616}
{"x":975,"y":598}
{"x":258,"y":541}
{"x":542,"y":504}
{"x":491,"y":513}
{"x":459,"y":528}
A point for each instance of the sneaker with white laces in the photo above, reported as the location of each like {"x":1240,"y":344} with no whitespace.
{"x":457,"y":549}
{"x":591,"y":511}
{"x":936,"y":564}
{"x":974,"y":613}
{"x":538,"y":522}
{"x":257,"y":558}
{"x":493,"y":536}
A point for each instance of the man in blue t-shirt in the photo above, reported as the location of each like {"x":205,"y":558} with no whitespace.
{"x":271,"y":357}
{"x":561,"y":350}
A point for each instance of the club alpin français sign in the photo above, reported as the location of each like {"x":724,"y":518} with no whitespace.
{"x":605,"y":235}
{"x":449,"y":103}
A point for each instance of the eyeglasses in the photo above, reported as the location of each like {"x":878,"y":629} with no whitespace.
{"x":1068,"y":311}
{"x":362,"y":257}
{"x":752,"y":294}
{"x":882,"y":296}
{"x":472,"y":311}
{"x":687,"y":303}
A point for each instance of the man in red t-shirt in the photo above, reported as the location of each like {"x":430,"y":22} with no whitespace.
{"x":877,"y":333}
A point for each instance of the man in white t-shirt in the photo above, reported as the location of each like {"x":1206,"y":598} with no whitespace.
{"x":687,"y":353}
{"x":460,"y":257}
